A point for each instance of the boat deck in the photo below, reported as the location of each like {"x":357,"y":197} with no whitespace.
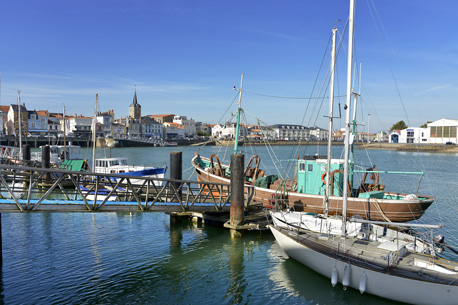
{"x":391,"y":257}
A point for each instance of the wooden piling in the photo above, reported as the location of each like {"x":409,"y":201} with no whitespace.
{"x":237,"y":186}
{"x":1,"y":243}
{"x":176,"y":171}
{"x":26,"y":152}
{"x":46,"y":159}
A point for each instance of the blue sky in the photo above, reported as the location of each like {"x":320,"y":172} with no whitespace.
{"x":184,"y":57}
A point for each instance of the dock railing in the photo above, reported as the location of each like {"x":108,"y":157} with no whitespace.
{"x":35,"y":189}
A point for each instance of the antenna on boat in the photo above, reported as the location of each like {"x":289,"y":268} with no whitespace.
{"x":237,"y":128}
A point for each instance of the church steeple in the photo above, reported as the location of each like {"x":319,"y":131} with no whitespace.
{"x":135,"y":110}
{"x":135,"y":97}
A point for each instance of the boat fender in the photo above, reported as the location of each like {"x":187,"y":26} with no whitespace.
{"x":334,"y":277}
{"x":346,"y":276}
{"x":362,"y":282}
{"x":323,"y":177}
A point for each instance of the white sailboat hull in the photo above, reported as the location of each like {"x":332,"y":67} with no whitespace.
{"x":377,"y":283}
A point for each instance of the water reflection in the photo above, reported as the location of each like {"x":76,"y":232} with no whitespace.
{"x":237,"y":282}
{"x":301,"y":282}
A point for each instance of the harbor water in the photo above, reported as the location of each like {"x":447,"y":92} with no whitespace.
{"x":120,"y":258}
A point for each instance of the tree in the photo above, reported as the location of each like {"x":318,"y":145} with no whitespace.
{"x":399,"y":125}
{"x":425,"y":125}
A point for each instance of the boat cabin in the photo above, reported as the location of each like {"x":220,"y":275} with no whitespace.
{"x":110,"y":162}
{"x":311,"y":176}
{"x":59,"y":153}
{"x":112,"y":165}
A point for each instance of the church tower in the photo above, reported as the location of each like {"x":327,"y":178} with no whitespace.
{"x":135,"y":110}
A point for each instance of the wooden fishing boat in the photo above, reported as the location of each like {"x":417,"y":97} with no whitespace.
{"x":368,"y":200}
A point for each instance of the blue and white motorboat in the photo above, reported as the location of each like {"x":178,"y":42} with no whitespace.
{"x":120,"y":165}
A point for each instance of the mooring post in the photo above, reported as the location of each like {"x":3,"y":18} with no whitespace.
{"x":1,"y":242}
{"x":46,"y":158}
{"x":176,"y":172}
{"x":26,"y":152}
{"x":237,"y":195}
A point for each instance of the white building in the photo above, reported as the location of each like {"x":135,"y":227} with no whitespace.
{"x":189,"y":126}
{"x":290,"y":132}
{"x":416,"y":135}
{"x":173,"y":131}
{"x":443,"y":131}
{"x":106,"y":119}
{"x":227,"y":131}
{"x":78,"y":126}
{"x":55,"y":124}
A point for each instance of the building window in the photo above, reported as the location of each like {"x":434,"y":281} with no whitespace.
{"x":433,"y":132}
{"x":453,"y":131}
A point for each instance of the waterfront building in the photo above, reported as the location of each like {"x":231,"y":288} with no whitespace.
{"x":338,"y":135}
{"x":188,"y":125}
{"x":203,"y":128}
{"x":443,"y":131}
{"x":227,"y":131}
{"x":256,"y":132}
{"x":13,"y":119}
{"x":55,"y":123}
{"x":79,"y":126}
{"x":290,"y":132}
{"x":4,"y":115}
{"x":364,"y":137}
{"x":183,"y":120}
{"x":34,"y":123}
{"x":43,"y":121}
{"x":173,"y":131}
{"x":317,"y":133}
{"x":1,"y":124}
{"x":151,"y":128}
{"x":394,"y":136}
{"x":118,"y":129}
{"x":162,"y":118}
{"x":381,"y":136}
{"x":415,"y":135}
{"x":106,"y":119}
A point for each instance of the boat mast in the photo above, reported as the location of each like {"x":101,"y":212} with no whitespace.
{"x":237,"y":128}
{"x":347,"y":117}
{"x":352,"y":146}
{"x":94,"y":125}
{"x":65,"y":140}
{"x":19,"y":122}
{"x":331,"y":113}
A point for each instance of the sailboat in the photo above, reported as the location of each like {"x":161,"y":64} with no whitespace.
{"x":368,"y":255}
{"x":318,"y":179}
